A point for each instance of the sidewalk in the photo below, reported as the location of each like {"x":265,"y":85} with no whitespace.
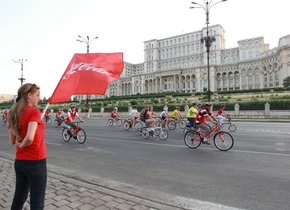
{"x":64,"y":193}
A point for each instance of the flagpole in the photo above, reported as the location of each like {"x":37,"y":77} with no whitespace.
{"x":87,"y":41}
{"x":44,"y":110}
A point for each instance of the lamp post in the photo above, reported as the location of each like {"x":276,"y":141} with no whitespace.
{"x":208,"y":40}
{"x":87,"y":41}
{"x":21,"y":61}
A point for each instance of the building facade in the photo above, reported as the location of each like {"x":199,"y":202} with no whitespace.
{"x":179,"y":64}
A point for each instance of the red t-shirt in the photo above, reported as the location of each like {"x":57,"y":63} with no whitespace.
{"x":113,"y":113}
{"x":220,"y":111}
{"x":37,"y":149}
{"x":72,"y":115}
{"x":5,"y":115}
{"x":201,"y":116}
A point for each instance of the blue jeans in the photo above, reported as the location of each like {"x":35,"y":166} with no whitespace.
{"x":191,"y":120}
{"x":30,"y":176}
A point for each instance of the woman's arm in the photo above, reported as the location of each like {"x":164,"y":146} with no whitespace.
{"x":12,"y":137}
{"x":28,"y":139}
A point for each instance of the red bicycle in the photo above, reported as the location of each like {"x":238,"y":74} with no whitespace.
{"x":59,"y":122}
{"x":222,"y":140}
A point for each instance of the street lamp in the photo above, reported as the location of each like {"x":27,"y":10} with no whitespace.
{"x":208,"y":40}
{"x":87,"y":41}
{"x":21,"y":61}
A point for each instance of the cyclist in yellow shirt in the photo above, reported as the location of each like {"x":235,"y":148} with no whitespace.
{"x":191,"y":114}
{"x":176,"y":114}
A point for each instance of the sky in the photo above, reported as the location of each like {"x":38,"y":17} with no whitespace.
{"x":45,"y":31}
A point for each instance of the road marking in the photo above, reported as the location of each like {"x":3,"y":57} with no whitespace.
{"x":180,"y":146}
{"x":171,"y":145}
{"x":53,"y":143}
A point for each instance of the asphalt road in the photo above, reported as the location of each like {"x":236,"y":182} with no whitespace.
{"x":254,"y":174}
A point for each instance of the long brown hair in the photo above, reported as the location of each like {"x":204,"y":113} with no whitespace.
{"x":15,"y":112}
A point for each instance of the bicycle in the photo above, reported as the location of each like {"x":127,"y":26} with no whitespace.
{"x":116,"y":121}
{"x":47,"y":121}
{"x":4,"y":121}
{"x":132,"y":123}
{"x":171,"y":125}
{"x":222,"y":140}
{"x":181,"y":122}
{"x":77,"y":133}
{"x":188,"y":127}
{"x":146,"y":132}
{"x":59,"y":122}
{"x":232,"y":127}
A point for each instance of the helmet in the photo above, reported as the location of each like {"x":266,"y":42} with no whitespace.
{"x":208,"y":104}
{"x":115,"y":107}
{"x":72,"y":106}
{"x":177,"y":107}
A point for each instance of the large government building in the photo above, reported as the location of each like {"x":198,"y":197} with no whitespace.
{"x":179,"y":64}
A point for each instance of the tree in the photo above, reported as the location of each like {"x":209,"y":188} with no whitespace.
{"x":286,"y":82}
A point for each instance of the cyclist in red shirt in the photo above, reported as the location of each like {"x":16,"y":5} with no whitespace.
{"x":58,"y":115}
{"x":114,"y":114}
{"x":71,"y":114}
{"x":220,"y":113}
{"x":46,"y":115}
{"x":4,"y":116}
{"x":201,"y":120}
{"x":27,"y":133}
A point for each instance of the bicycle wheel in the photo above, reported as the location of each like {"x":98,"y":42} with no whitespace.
{"x":223,"y":141}
{"x":110,"y":122}
{"x":171,"y":125}
{"x":55,"y":123}
{"x":137,"y":125}
{"x":182,"y":124}
{"x":145,"y":133}
{"x":62,"y":123}
{"x":119,"y":122}
{"x":186,"y":129}
{"x":192,"y":139}
{"x":49,"y":121}
{"x":65,"y":135}
{"x":232,"y":127}
{"x":140,"y":131}
{"x":81,"y":136}
{"x":158,"y":123}
{"x":163,"y":134}
{"x":126,"y":125}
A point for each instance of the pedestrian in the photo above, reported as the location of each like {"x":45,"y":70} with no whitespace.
{"x":27,"y":133}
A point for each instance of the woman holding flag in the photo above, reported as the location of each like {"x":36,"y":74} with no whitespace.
{"x":27,"y":133}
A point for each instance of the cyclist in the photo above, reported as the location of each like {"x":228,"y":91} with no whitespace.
{"x":4,"y":116}
{"x":201,"y":119}
{"x":143,"y":114}
{"x":46,"y":115}
{"x":220,"y":113}
{"x":114,"y":114}
{"x":58,"y":115}
{"x":191,"y":114}
{"x":164,"y":116}
{"x":176,"y":114}
{"x":198,"y":107}
{"x":71,"y":115}
{"x":134,"y":113}
{"x":149,"y":118}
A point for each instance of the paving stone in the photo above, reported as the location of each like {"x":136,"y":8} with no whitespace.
{"x":63,"y":193}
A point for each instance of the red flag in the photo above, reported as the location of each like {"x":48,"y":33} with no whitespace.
{"x":88,"y":74}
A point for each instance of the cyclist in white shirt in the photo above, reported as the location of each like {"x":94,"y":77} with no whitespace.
{"x":134,"y":113}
